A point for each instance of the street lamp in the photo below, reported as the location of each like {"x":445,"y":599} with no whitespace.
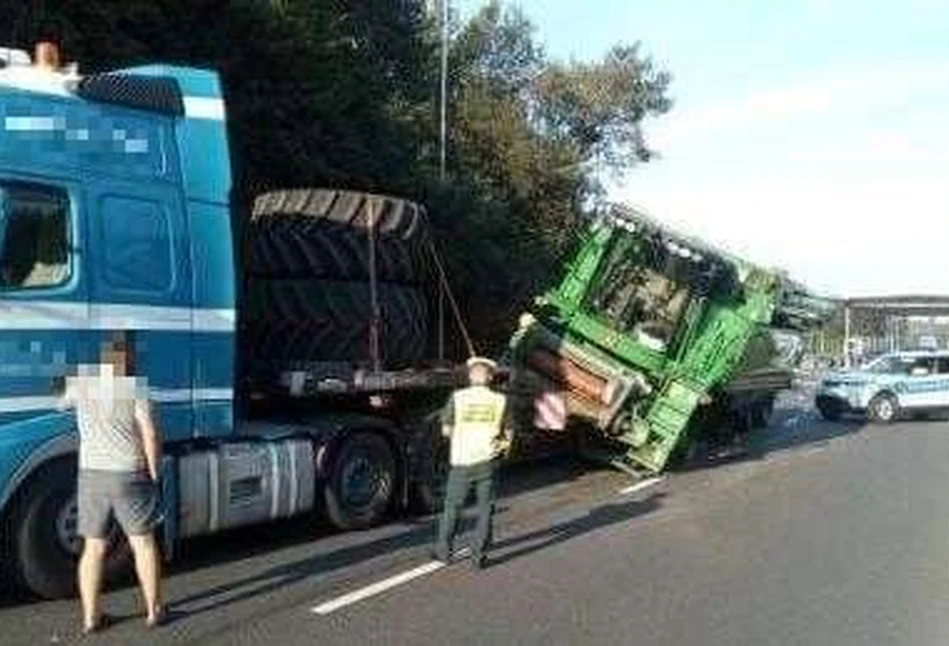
{"x":443,"y":125}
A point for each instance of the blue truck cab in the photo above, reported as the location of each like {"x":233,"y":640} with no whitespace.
{"x":116,"y":214}
{"x":894,"y":383}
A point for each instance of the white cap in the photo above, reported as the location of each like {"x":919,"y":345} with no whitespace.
{"x":481,"y":361}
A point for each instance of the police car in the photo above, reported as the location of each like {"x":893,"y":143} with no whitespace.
{"x":891,"y":384}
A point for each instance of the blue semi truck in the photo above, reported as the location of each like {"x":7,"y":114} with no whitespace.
{"x":284,"y":357}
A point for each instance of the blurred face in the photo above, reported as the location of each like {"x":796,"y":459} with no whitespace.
{"x":479,"y":375}
{"x":116,"y":357}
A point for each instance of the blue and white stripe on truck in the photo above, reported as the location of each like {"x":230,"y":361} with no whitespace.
{"x":160,"y":185}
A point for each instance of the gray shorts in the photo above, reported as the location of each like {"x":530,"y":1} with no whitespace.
{"x":130,"y":498}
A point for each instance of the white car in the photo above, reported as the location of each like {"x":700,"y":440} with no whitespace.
{"x":888,"y":386}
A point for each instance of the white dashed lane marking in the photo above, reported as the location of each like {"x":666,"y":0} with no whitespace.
{"x":639,"y":486}
{"x":373,"y":589}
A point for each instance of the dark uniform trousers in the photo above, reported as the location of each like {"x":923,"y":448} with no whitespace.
{"x":483,"y":477}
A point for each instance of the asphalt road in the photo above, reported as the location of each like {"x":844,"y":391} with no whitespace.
{"x":821,"y":534}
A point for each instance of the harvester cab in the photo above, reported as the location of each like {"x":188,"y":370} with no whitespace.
{"x":647,"y":326}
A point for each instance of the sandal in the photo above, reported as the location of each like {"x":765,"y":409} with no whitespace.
{"x":104,"y":622}
{"x":161,"y":616}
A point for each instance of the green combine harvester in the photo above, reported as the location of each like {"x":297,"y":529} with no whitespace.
{"x":653,"y":340}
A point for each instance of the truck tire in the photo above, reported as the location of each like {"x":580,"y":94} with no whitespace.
{"x":395,"y":217}
{"x":320,"y":320}
{"x":292,"y":246}
{"x":362,"y":482}
{"x":883,"y":409}
{"x":45,"y":547}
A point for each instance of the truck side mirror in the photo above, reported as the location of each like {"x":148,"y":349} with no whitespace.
{"x":919,"y":371}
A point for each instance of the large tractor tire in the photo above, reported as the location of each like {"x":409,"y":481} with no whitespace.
{"x":295,"y":246}
{"x":392,"y":217}
{"x":321,"y":320}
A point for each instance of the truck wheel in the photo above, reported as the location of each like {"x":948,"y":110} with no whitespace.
{"x":361,"y":484}
{"x":46,"y":546}
{"x":883,"y":409}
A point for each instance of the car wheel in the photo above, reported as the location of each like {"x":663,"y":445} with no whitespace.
{"x":883,"y":409}
{"x":829,"y":410}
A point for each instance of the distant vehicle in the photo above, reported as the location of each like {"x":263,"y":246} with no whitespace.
{"x":887,"y":387}
{"x":928,"y":343}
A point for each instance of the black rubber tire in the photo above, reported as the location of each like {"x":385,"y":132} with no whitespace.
{"x":319,"y":320}
{"x":9,"y":583}
{"x":293,"y":246}
{"x":394,"y":217}
{"x":41,"y":564}
{"x":883,"y":409}
{"x":830,"y":411}
{"x":360,"y":450}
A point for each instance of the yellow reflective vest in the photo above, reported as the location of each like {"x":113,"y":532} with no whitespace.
{"x":478,"y":415}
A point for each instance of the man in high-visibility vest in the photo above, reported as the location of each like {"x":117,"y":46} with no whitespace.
{"x":474,"y":422}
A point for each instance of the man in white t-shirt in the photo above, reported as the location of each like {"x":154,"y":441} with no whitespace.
{"x":119,"y":457}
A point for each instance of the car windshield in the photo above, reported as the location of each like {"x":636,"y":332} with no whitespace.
{"x":890,"y":365}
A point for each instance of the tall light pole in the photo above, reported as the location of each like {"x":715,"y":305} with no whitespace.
{"x":443,"y":125}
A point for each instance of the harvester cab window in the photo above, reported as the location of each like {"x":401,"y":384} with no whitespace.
{"x":641,"y":290}
{"x":34,"y":236}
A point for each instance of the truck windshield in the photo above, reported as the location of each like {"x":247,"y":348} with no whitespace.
{"x":640,"y":289}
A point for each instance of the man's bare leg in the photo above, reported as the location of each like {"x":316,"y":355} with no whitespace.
{"x":90,"y":581}
{"x":148,"y":569}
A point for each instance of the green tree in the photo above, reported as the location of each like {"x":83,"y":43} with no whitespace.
{"x":317,"y":90}
{"x":528,"y":139}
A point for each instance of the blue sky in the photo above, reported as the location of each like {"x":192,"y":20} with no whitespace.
{"x":808,"y":134}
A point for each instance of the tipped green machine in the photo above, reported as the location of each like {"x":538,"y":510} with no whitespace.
{"x":653,"y":338}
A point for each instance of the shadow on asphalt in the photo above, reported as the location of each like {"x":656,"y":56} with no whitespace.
{"x":285,"y":575}
{"x":247,"y":542}
{"x":595,"y":519}
{"x":779,"y":436}
{"x":241,"y":544}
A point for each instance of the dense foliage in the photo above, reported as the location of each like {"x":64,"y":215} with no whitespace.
{"x":345,"y":94}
